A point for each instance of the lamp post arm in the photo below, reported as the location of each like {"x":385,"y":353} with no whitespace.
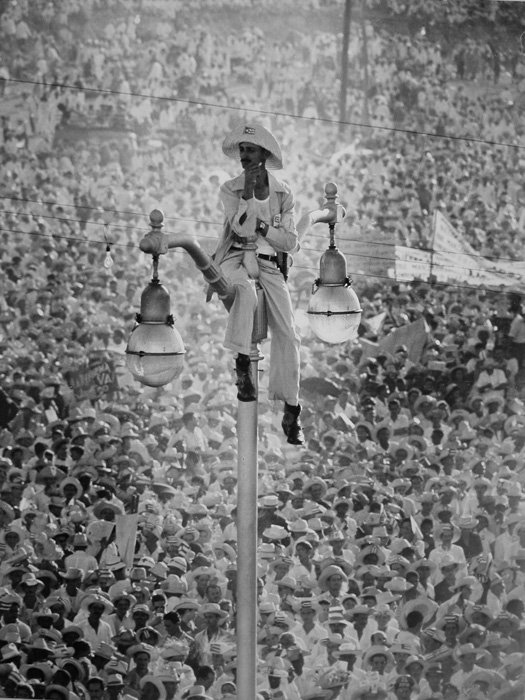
{"x":317,"y":216}
{"x":332,"y":212}
{"x":158,"y":243}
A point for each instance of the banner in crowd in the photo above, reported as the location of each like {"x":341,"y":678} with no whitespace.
{"x":93,"y":380}
{"x":452,"y":259}
{"x":126,"y":537}
{"x":413,"y":336}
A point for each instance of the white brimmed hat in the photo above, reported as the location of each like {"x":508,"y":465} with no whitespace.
{"x":258,"y":135}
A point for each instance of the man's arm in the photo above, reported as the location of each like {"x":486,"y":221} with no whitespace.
{"x":239,"y":212}
{"x":241,"y":216}
{"x":283,"y":237}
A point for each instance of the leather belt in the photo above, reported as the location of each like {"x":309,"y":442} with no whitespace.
{"x":270,"y":258}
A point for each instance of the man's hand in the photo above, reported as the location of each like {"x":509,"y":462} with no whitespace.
{"x":252,"y":174}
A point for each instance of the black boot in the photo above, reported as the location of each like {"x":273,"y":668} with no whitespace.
{"x":245,"y":386}
{"x":291,"y":425}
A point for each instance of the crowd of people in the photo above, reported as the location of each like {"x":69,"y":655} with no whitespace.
{"x":392,"y":547}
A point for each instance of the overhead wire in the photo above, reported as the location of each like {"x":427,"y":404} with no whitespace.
{"x":300,"y":266}
{"x":216,"y":223}
{"x":99,"y":210}
{"x":268,"y":112}
{"x":77,"y":239}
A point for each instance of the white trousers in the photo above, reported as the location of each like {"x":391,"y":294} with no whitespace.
{"x":285,"y":343}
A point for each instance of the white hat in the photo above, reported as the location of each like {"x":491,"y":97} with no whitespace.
{"x":258,"y":135}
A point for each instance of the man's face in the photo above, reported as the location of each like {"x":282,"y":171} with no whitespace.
{"x":96,"y":691}
{"x":369,"y":413}
{"x":468,"y":660}
{"x":140,"y":617}
{"x":122,"y":606}
{"x":360,"y":620}
{"x":171,"y":627}
{"x":394,"y":409}
{"x":316,"y":491}
{"x":251,"y":154}
{"x":362,"y":433}
{"x":211,"y":619}
{"x":446,"y":536}
{"x":335,"y":583}
{"x":378,"y":663}
{"x":403,"y":691}
{"x":513,"y":501}
{"x":141,"y":660}
{"x":214,"y":594}
{"x":96,"y":610}
{"x":307,"y":614}
{"x":383,"y":434}
{"x":187,"y":615}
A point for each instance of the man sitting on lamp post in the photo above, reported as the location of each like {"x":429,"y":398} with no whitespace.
{"x":259,"y":232}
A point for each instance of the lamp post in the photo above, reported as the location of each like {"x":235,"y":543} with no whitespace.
{"x":155,"y":355}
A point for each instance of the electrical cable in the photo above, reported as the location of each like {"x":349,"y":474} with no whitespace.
{"x":296,"y":266}
{"x":266,"y":112}
{"x":216,"y":223}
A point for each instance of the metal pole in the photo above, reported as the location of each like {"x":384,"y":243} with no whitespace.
{"x":432,"y":243}
{"x":247,"y":438}
{"x":344,"y":65}
{"x":366,"y":111}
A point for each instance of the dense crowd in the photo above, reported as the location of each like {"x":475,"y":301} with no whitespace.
{"x":391,"y":548}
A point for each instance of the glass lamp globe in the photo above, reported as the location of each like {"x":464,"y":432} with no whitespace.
{"x":155,"y":354}
{"x":155,"y":351}
{"x":334,"y":314}
{"x":334,"y":311}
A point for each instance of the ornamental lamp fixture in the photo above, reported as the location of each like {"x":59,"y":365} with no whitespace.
{"x":334,"y":311}
{"x":155,"y":351}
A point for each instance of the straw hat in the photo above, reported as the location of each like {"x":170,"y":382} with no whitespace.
{"x":329,"y":571}
{"x":479,"y":609}
{"x":469,"y":581}
{"x":71,"y":481}
{"x":456,"y":533}
{"x":425,"y":606}
{"x":368,"y":550}
{"x":96,"y":598}
{"x":212,"y":608}
{"x":349,"y":648}
{"x":258,"y":135}
{"x":468,"y":648}
{"x":376,"y":650}
{"x":502,"y":618}
{"x":103,"y":505}
{"x":398,"y":585}
{"x":140,"y":648}
{"x":197,"y":692}
{"x":451,"y":619}
{"x":423,"y":563}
